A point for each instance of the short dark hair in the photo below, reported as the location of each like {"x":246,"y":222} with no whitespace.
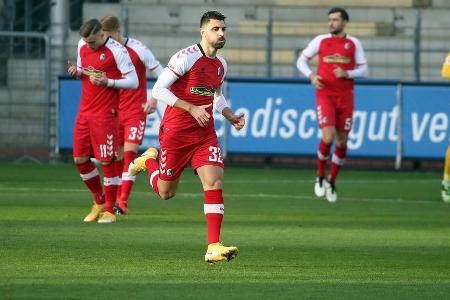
{"x":90,"y":27}
{"x":344,"y":14}
{"x":212,"y":14}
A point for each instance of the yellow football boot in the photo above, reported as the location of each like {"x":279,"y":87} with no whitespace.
{"x":138,"y":164}
{"x":217,"y":252}
{"x":96,"y":210}
{"x":107,"y":217}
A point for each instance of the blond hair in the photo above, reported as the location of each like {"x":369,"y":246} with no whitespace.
{"x":110,"y":23}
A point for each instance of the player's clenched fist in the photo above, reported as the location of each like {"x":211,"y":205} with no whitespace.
{"x":150,"y":106}
{"x":315,"y":81}
{"x":72,"y":70}
{"x":238,"y":121}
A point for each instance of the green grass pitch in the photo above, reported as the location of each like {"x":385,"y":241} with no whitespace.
{"x":387,"y":237}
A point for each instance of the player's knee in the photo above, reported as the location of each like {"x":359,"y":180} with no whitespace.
{"x":166,"y":195}
{"x":328,"y":139}
{"x":341,"y":142}
{"x":214,"y":184}
{"x":80,"y":160}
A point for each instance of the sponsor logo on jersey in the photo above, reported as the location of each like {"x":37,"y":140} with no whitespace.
{"x":202,"y":91}
{"x":102,"y":56}
{"x":218,"y":71}
{"x":91,"y":71}
{"x":169,"y":172}
{"x":336,"y":58}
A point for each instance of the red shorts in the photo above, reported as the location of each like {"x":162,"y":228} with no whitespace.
{"x":336,"y":111}
{"x":95,"y":137}
{"x":131,"y":128}
{"x":176,"y":152}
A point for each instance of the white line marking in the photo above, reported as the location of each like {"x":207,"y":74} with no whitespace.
{"x":241,"y":196}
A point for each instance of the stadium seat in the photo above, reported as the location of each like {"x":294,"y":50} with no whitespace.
{"x":259,"y":27}
{"x":356,"y":3}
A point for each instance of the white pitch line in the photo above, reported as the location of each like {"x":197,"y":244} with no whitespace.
{"x":277,"y":181}
{"x":242,"y":196}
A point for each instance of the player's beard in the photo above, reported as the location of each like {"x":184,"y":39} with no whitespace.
{"x":336,"y":30}
{"x":220,"y":43}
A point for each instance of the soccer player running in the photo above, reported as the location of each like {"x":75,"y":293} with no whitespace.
{"x":133,"y":108}
{"x":189,"y":85}
{"x":341,"y":58}
{"x":104,"y":67}
{"x":445,"y":191}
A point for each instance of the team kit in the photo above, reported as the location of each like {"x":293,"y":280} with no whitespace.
{"x":114,"y":104}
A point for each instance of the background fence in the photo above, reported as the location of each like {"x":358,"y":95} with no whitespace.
{"x":25,"y":95}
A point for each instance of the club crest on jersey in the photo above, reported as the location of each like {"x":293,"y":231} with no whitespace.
{"x":169,"y":172}
{"x":347,"y":46}
{"x":102,"y":56}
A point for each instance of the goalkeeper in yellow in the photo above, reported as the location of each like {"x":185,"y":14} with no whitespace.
{"x":446,"y":181}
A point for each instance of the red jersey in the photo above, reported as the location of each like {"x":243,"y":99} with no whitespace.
{"x":345,"y":52}
{"x":112,"y":60}
{"x":132,"y":101}
{"x":198,"y":79}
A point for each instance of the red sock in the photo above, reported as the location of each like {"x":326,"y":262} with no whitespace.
{"x":214,"y":209}
{"x":110,"y":181}
{"x":323,"y":153}
{"x":119,"y":167}
{"x":89,"y":174}
{"x":337,"y":161}
{"x":127,"y":179}
{"x":153,"y":173}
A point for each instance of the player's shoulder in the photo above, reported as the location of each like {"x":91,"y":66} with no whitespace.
{"x":321,"y":37}
{"x":115,"y":46}
{"x":222,"y":60}
{"x":81,"y":43}
{"x":191,"y":53}
{"x":134,"y":43}
{"x":354,"y":39}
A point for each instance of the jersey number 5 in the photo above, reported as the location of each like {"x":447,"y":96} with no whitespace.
{"x":215,"y":154}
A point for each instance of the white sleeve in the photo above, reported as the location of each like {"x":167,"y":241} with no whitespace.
{"x":360,"y":58}
{"x":313,"y":48}
{"x":81,"y":42}
{"x":303,"y":66}
{"x":359,"y":71}
{"x":157,"y":70}
{"x":129,"y":81}
{"x":178,"y":64}
{"x":149,"y":60}
{"x":123,"y":60}
{"x":161,"y":90}
{"x":219,"y":100}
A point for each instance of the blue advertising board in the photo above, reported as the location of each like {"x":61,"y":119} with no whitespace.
{"x":281,"y":119}
{"x":426,"y":111}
